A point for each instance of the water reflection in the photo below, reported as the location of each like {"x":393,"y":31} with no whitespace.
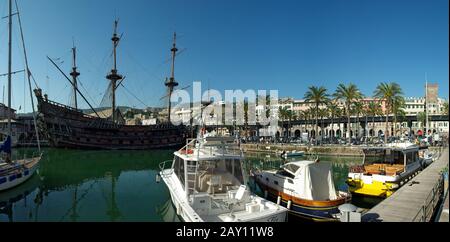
{"x":73,"y":185}
{"x":88,"y":186}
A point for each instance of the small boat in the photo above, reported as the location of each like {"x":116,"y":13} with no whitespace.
{"x":306,"y":188}
{"x":16,"y":172}
{"x":207,"y":184}
{"x":384,"y":169}
{"x":294,"y":153}
{"x":426,"y":156}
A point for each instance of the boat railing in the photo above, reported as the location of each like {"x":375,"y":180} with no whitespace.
{"x":164,"y":168}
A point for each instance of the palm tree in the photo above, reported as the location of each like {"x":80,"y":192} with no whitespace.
{"x":398,"y":111}
{"x":305,"y":114}
{"x":348,"y":94}
{"x":333,"y":111}
{"x":422,"y":118}
{"x":358,"y":109}
{"x":389,"y":93}
{"x":373,"y":109}
{"x":323,"y":112}
{"x":318,"y":96}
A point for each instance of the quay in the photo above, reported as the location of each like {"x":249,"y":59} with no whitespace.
{"x":334,"y":150}
{"x":416,"y":201}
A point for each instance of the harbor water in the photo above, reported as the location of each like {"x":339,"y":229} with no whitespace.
{"x":74,"y":185}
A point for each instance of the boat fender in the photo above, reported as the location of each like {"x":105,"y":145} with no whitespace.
{"x":278,"y":200}
{"x":266,"y":194}
{"x":158,"y":178}
{"x":179,"y":210}
{"x":289,"y":204}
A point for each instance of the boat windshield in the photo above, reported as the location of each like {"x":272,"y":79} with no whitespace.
{"x":219,"y":176}
{"x":383,"y":156}
{"x":291,"y":168}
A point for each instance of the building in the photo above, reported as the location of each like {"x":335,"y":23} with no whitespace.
{"x":5,"y":110}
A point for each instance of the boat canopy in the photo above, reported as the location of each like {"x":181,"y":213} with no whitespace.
{"x":314,"y":178}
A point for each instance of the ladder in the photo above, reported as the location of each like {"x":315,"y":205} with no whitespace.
{"x":191,"y":176}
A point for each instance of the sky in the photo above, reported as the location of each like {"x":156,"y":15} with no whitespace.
{"x":229,"y":44}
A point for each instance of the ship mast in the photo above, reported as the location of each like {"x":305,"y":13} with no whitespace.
{"x":74,"y":75}
{"x":171,"y":83}
{"x":9,"y":71}
{"x":426,"y":105}
{"x":113,"y":76}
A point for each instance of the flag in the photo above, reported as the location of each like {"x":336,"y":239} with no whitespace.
{"x":6,"y":146}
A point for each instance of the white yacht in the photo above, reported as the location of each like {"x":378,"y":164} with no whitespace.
{"x":207,"y":184}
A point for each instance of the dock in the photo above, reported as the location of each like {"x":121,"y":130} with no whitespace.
{"x":417,"y":200}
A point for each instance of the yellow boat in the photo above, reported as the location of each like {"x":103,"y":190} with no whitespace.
{"x":384,"y":169}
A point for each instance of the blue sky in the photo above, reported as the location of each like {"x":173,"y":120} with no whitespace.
{"x":245,"y":44}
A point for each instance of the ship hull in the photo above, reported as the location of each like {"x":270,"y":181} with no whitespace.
{"x":65,"y":127}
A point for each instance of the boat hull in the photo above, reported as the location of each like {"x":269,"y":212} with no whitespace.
{"x":186,"y":214}
{"x":382,"y":189}
{"x":323,"y":211}
{"x":65,"y":127}
{"x":18,"y":177}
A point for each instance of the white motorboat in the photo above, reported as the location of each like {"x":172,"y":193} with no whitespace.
{"x":207,"y":184}
{"x":305,"y":187}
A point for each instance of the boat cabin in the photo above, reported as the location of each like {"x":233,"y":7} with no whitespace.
{"x":389,"y":161}
{"x":212,"y":166}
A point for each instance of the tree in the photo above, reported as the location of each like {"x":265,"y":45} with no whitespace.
{"x":389,"y":93}
{"x":445,"y":111}
{"x":323,"y":112}
{"x":358,"y":109}
{"x":422,"y":118}
{"x":374,"y":109}
{"x":286,"y":114}
{"x":348,"y":94}
{"x":398,"y":111}
{"x":318,"y":96}
{"x":333,"y":111}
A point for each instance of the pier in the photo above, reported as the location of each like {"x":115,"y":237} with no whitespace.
{"x":417,"y":200}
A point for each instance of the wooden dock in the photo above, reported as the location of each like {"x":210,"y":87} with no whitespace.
{"x":415,"y":201}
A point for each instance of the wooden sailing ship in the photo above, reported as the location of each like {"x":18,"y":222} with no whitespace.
{"x":68,"y":127}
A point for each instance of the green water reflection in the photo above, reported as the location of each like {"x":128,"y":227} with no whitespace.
{"x":73,"y":185}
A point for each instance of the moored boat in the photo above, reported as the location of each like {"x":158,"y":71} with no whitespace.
{"x":384,"y":169}
{"x":14,"y":172}
{"x":306,"y":188}
{"x":294,"y":153}
{"x":207,"y":184}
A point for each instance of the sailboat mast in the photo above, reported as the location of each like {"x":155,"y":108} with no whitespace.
{"x":171,"y":83}
{"x":74,"y":75}
{"x":114,"y":76}
{"x":9,"y":66}
{"x":28,"y":77}
{"x":426,"y":104}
